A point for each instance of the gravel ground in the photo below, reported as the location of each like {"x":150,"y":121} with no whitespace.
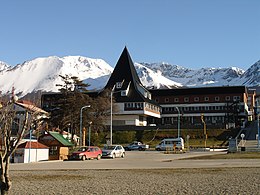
{"x":163,"y":181}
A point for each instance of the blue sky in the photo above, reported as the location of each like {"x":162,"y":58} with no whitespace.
{"x":193,"y":34}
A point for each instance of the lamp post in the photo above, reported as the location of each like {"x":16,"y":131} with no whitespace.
{"x":111,"y":113}
{"x":205,"y":130}
{"x":80,"y":128}
{"x":89,"y":133}
{"x":258,"y":128}
{"x":178,"y":121}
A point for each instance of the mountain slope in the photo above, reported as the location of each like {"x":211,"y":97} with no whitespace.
{"x":252,"y":76}
{"x":3,"y":66}
{"x":197,"y":78}
{"x":153,"y":78}
{"x":42,"y":74}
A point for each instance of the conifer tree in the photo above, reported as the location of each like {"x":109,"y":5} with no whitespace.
{"x":74,"y":97}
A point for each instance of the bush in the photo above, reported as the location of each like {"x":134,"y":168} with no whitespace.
{"x":122,"y":137}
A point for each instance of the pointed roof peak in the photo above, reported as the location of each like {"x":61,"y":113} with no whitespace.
{"x":125,"y":48}
{"x":124,"y":70}
{"x":125,"y":77}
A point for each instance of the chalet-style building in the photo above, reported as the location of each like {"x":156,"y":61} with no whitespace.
{"x":58,"y":145}
{"x":133,"y":101}
{"x":139,"y":108}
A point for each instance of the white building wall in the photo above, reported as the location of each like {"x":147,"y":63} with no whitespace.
{"x":31,"y":155}
{"x":128,"y":119}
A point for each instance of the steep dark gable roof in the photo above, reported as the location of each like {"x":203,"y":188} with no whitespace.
{"x":125,"y":73}
{"x":124,"y":70}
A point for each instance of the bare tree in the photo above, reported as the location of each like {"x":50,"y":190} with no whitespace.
{"x":9,"y":142}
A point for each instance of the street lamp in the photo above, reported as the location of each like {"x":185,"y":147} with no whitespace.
{"x":80,"y":128}
{"x":111,"y":113}
{"x":178,"y":121}
{"x":205,"y":130}
{"x":111,"y":119}
{"x":258,"y":131}
{"x":89,"y":132}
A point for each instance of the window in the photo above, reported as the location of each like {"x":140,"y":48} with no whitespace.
{"x":227,"y":98}
{"x":145,"y":94}
{"x":206,"y":99}
{"x":236,"y":98}
{"x":186,"y":99}
{"x":156,"y":100}
{"x":53,"y":150}
{"x":124,"y":93}
{"x":217,"y":98}
{"x":176,"y":99}
{"x":196,"y":108}
{"x":196,"y":99}
{"x":149,"y":96}
{"x":119,"y":85}
{"x":166,"y":99}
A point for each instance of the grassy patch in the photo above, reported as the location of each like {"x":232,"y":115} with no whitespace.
{"x":238,"y":155}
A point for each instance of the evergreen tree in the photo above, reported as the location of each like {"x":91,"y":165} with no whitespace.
{"x":74,"y":96}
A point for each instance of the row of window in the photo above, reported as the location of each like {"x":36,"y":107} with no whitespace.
{"x":211,"y":119}
{"x":198,"y":99}
{"x":197,"y":108}
{"x":139,"y":106}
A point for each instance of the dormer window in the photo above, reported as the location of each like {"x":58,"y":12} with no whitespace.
{"x":124,"y":93}
{"x":119,"y":85}
{"x":149,"y":96}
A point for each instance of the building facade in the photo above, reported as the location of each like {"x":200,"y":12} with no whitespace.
{"x":134,"y":103}
{"x":220,"y":107}
{"x":134,"y":107}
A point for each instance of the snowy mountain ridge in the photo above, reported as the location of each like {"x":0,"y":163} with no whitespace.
{"x":42,"y":74}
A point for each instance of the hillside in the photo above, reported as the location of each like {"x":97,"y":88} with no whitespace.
{"x":42,"y":74}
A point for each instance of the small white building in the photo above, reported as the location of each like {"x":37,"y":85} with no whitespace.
{"x":31,"y":151}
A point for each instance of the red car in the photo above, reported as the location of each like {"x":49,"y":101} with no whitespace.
{"x":88,"y":152}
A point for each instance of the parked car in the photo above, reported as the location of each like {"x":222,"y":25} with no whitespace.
{"x":136,"y":146}
{"x":90,"y":152}
{"x":113,"y":151}
{"x":170,"y":144}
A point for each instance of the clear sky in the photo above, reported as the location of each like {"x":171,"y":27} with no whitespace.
{"x":189,"y":33}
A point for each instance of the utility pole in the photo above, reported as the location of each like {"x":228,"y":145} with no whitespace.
{"x":204,"y":130}
{"x":80,"y":128}
{"x":178,"y":121}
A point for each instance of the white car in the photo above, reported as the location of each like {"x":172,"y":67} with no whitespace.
{"x":113,"y":151}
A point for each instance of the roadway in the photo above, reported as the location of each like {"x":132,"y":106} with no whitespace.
{"x":141,"y":160}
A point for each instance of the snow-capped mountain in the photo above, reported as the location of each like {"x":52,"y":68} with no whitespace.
{"x":3,"y":66}
{"x":153,"y":78}
{"x":200,"y":77}
{"x":42,"y":74}
{"x":252,"y":76}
